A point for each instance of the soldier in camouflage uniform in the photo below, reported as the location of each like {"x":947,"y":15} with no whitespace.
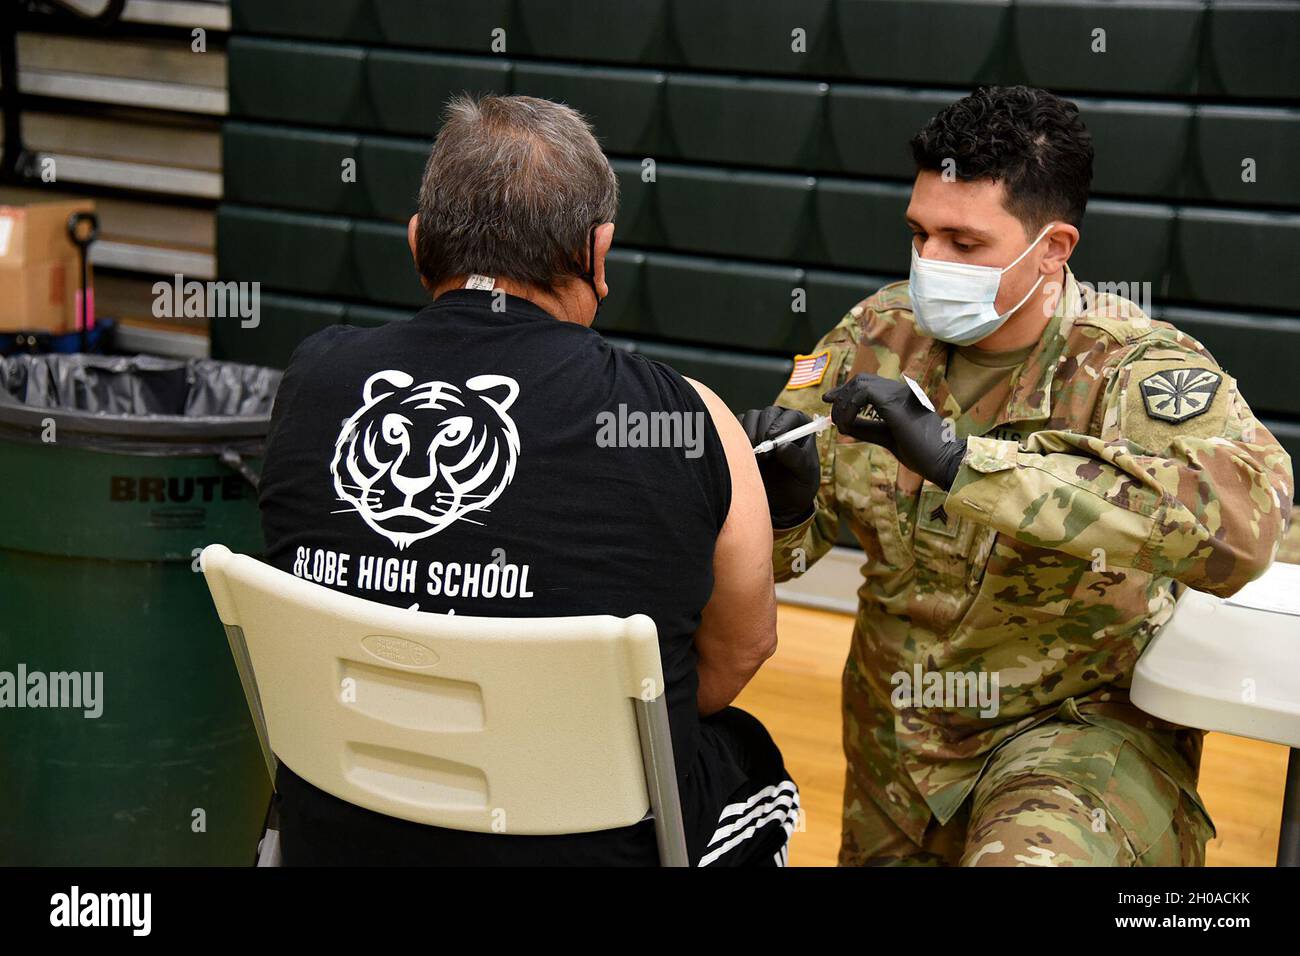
{"x":1032,"y":536}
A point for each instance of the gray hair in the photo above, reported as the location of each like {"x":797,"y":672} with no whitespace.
{"x":512,"y":189}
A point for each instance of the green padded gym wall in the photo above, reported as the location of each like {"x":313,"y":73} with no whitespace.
{"x":774,"y":170}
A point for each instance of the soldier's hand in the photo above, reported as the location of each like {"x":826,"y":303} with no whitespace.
{"x":791,"y":472}
{"x":916,"y":436}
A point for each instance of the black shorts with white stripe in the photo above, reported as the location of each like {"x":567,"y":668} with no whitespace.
{"x":751,"y":825}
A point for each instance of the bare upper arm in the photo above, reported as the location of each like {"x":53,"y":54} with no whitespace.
{"x":742,"y":610}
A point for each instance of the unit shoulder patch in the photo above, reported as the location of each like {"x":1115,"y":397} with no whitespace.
{"x":1163,"y":401}
{"x":1177,"y":394}
{"x":809,"y":370}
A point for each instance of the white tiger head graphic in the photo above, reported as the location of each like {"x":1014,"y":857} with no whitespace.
{"x":414,"y":459}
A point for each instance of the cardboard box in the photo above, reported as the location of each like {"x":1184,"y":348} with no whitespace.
{"x":40,"y":267}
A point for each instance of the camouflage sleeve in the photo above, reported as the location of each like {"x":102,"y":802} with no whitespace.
{"x":794,"y":550}
{"x":1184,"y":482}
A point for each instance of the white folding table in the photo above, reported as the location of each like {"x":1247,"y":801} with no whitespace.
{"x":1233,"y":665}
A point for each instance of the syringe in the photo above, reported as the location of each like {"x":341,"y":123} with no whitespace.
{"x":819,"y":424}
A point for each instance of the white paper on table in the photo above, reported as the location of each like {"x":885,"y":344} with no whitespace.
{"x":1278,"y":590}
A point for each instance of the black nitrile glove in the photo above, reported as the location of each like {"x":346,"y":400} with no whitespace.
{"x":916,"y":436}
{"x":791,"y":472}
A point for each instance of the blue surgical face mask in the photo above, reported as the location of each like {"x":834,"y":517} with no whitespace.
{"x":955,"y":302}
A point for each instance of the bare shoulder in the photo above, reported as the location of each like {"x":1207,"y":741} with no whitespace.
{"x":735,"y":444}
{"x":718,"y":409}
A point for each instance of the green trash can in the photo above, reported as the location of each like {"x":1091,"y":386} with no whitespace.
{"x":124,"y":735}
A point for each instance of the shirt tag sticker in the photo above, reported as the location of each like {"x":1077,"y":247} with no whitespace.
{"x":485,"y":283}
{"x":809,"y":370}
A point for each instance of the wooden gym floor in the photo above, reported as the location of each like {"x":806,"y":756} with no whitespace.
{"x":797,"y":695}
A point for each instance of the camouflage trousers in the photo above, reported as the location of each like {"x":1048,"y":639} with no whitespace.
{"x":1058,"y":794}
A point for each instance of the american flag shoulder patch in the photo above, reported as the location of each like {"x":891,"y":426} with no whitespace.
{"x":809,"y":370}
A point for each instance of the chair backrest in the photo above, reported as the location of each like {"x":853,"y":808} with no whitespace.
{"x":514,"y":725}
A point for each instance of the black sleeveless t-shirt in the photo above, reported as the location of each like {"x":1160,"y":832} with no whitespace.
{"x":497,"y":463}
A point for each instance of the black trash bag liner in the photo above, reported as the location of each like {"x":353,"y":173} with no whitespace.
{"x":140,"y":385}
{"x":138,"y":404}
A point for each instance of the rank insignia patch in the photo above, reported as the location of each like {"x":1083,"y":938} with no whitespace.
{"x":1177,"y":394}
{"x":809,"y":370}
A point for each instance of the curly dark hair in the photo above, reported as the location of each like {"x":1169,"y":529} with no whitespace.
{"x":1031,"y":141}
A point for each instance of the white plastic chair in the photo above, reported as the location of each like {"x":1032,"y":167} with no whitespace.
{"x":1221,"y":665}
{"x":495,"y":725}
